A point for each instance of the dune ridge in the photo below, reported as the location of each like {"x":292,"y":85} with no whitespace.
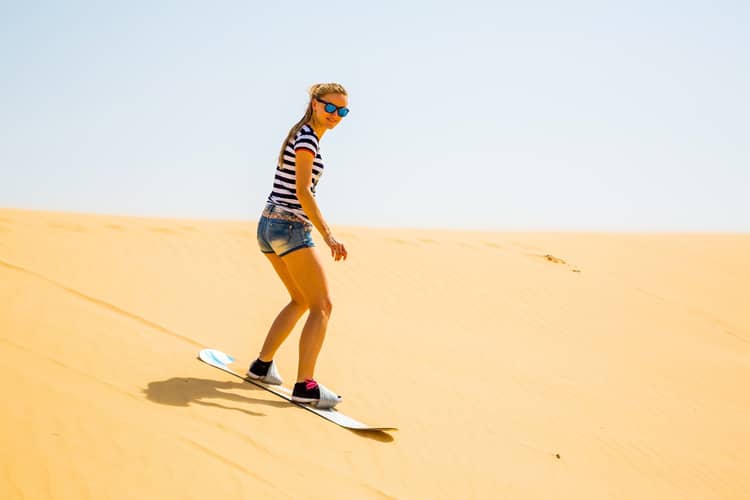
{"x":516,"y":365}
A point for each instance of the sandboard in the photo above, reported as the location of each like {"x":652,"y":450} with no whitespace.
{"x":221,"y":360}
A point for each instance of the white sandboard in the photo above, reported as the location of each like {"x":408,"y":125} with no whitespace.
{"x":222,"y":361}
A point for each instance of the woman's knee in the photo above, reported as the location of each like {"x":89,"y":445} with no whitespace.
{"x":323,"y":306}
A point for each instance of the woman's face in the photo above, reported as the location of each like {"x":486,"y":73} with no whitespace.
{"x":330,"y":120}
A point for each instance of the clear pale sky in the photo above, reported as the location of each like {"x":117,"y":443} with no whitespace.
{"x":538,"y":115}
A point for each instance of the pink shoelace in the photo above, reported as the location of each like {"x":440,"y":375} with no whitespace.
{"x":310,"y":384}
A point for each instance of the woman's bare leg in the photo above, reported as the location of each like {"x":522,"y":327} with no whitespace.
{"x":308,"y":274}
{"x":289,"y":315}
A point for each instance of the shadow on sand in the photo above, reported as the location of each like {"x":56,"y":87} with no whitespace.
{"x":184,"y":391}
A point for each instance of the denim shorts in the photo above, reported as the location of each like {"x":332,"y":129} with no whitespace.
{"x":281,"y":232}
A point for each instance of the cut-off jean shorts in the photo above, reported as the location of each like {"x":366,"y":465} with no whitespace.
{"x":282,"y":232}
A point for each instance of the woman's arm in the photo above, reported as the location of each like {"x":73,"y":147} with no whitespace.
{"x":304,"y":167}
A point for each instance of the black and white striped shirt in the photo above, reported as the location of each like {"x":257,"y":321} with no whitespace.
{"x":284,"y":192}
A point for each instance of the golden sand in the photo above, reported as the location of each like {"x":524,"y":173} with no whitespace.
{"x":516,"y":365}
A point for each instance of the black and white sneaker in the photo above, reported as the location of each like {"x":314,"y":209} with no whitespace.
{"x":317,"y":395}
{"x":264,"y":371}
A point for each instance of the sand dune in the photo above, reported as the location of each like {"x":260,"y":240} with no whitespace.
{"x":516,"y":365}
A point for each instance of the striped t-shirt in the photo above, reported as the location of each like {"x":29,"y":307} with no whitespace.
{"x":284,"y":192}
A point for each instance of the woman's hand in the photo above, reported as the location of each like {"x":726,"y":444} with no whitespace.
{"x":338,"y":251}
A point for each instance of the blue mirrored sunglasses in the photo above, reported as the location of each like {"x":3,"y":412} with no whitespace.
{"x":332,"y":108}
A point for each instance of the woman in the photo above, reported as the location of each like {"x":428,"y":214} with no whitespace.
{"x":284,"y":236}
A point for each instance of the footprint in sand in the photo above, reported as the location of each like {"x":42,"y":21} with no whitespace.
{"x":554,"y":259}
{"x":557,"y":260}
{"x":115,"y":227}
